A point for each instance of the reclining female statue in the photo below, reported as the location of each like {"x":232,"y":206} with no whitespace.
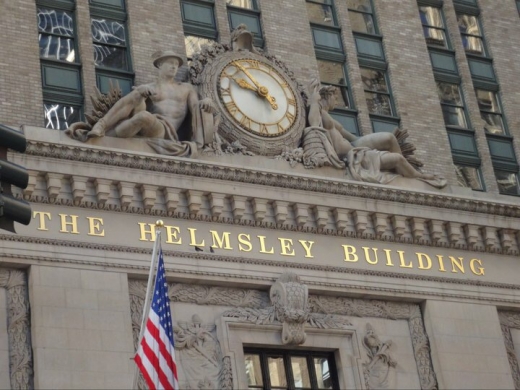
{"x":373,"y":158}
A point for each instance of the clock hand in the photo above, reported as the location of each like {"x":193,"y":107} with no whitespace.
{"x":244,"y":84}
{"x":261,"y":91}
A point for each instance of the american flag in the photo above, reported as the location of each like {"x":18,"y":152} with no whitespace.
{"x":155,"y":355}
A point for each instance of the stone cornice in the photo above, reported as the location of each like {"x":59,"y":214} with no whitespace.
{"x":198,"y":168}
{"x":267,"y":263}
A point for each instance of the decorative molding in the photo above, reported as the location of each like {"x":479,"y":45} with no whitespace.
{"x":377,"y":370}
{"x":272,"y":179}
{"x":330,"y":313}
{"x":271,"y":263}
{"x":18,"y":328}
{"x":508,"y":320}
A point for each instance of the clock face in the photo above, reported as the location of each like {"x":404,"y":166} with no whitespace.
{"x":257,"y":97}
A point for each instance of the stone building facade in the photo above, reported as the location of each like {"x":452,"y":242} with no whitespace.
{"x":276,"y":272}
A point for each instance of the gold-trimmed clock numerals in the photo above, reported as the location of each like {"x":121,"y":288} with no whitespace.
{"x":240,"y":72}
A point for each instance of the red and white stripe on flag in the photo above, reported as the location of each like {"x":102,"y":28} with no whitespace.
{"x":155,"y":355}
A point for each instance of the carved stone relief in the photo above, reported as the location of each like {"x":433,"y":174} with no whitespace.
{"x":18,"y":328}
{"x":323,"y":312}
{"x":510,"y":320}
{"x":199,"y":354}
{"x":377,"y":369}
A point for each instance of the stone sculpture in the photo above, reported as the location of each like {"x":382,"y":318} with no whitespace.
{"x":157,"y":111}
{"x":199,"y":354}
{"x":377,"y":369}
{"x":375,"y":158}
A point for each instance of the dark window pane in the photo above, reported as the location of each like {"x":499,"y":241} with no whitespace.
{"x":481,"y":69}
{"x":113,"y":3}
{"x":251,"y":21}
{"x":373,"y":80}
{"x":443,"y":62}
{"x":60,"y":116}
{"x":108,"y":31}
{"x":276,"y":371}
{"x":469,"y":177}
{"x":110,"y":57}
{"x":463,"y":143}
{"x":449,"y":93}
{"x":55,"y":22}
{"x":57,"y":48}
{"x":103,"y":83}
{"x":253,"y":370}
{"x":378,"y":104}
{"x":327,"y":38}
{"x":386,"y":127}
{"x":198,"y":14}
{"x":360,"y":5}
{"x":348,"y":122}
{"x":194,"y":44}
{"x":362,"y":22}
{"x":300,"y":372}
{"x":321,"y":368}
{"x":507,"y":183}
{"x":454,"y":116}
{"x":249,"y":4}
{"x":331,"y":72}
{"x":502,"y":149}
{"x":320,"y":13}
{"x":322,"y":1}
{"x":369,"y":47}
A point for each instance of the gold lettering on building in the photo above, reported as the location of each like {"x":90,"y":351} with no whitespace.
{"x":441,"y":263}
{"x":146,"y":229}
{"x":367,"y":255}
{"x":262,"y":245}
{"x":286,"y":244}
{"x":457,"y":263}
{"x":350,"y":253}
{"x":402,"y":261}
{"x":388,"y":258}
{"x":421,"y":257}
{"x":220,"y":242}
{"x":244,"y":243}
{"x":41,"y":216}
{"x":94,"y":225}
{"x":193,"y":238}
{"x":307,"y":247}
{"x":479,"y":270}
{"x":172,"y":235}
{"x":73,"y":223}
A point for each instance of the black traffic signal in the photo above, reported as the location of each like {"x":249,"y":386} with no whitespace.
{"x":12,"y":209}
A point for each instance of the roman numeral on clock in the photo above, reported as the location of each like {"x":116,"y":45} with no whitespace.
{"x":246,"y":122}
{"x":231,"y":107}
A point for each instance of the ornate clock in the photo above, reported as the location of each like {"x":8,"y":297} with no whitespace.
{"x":260,"y":103}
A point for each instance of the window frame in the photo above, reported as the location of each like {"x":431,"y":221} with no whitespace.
{"x":372,"y":15}
{"x":258,"y":40}
{"x":444,"y":29}
{"x":485,"y":50}
{"x":286,"y":355}
{"x":199,"y":29}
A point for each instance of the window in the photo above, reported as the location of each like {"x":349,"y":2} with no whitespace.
{"x":246,"y":12}
{"x":490,"y":111}
{"x":377,"y":94}
{"x":471,"y":34}
{"x":111,"y":48}
{"x":470,"y":177}
{"x":59,"y":61}
{"x":200,"y":28}
{"x":361,"y":16}
{"x":507,"y":182}
{"x":452,"y":104}
{"x":433,"y":26}
{"x":331,"y":57}
{"x":277,"y":369}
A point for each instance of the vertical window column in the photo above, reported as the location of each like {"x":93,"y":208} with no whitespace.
{"x":487,"y":90}
{"x":199,"y":24}
{"x":373,"y":65}
{"x":111,"y":46}
{"x":246,"y":12}
{"x":331,"y":59}
{"x":462,"y":137}
{"x":60,"y":64}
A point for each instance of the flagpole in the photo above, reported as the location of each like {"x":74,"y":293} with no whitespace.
{"x":149,"y":287}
